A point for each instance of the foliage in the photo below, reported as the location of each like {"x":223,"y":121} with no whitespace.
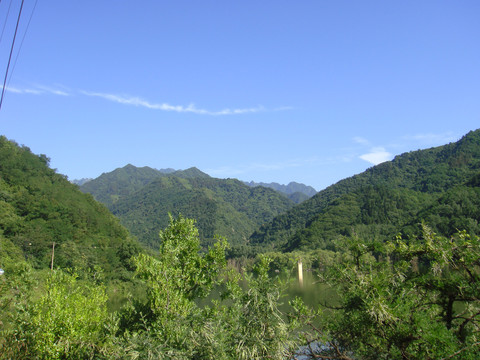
{"x":253,"y":325}
{"x":108,"y":188}
{"x":227,"y":208}
{"x":68,"y":321}
{"x":405,"y":299}
{"x":181,"y":320}
{"x":39,"y":208}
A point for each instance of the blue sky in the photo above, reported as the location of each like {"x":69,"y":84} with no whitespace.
{"x":306,"y":91}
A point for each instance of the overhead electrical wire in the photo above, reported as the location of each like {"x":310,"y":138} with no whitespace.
{"x":6,"y":18}
{"x":11,"y":52}
{"x":21,"y":43}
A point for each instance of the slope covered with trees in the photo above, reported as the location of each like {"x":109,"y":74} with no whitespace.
{"x":402,"y":299}
{"x":108,"y":188}
{"x":221,"y":207}
{"x":438,"y":185}
{"x":40,"y":209}
{"x":410,"y":297}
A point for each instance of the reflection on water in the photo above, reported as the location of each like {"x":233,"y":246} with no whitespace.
{"x":312,"y":291}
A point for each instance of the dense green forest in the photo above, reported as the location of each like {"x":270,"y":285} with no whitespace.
{"x":40,"y":209}
{"x":437,"y":185}
{"x":142,"y":199}
{"x":108,"y":188}
{"x":397,"y":249}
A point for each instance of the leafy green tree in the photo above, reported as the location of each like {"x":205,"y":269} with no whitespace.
{"x":404,"y":299}
{"x":68,"y":321}
{"x":253,"y":324}
{"x":179,"y":277}
{"x":197,"y":309}
{"x":182,"y":273}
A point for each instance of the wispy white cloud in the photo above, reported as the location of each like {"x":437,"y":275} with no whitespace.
{"x":24,"y":91}
{"x":283,"y":108}
{"x":137,"y":101}
{"x":376,"y":155}
{"x":140,"y":102}
{"x":362,"y":141}
{"x":38,"y":90}
{"x":230,"y":171}
{"x":54,"y":90}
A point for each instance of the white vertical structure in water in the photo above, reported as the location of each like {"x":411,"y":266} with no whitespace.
{"x":300,"y":272}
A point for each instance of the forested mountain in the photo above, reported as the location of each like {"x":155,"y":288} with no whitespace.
{"x":425,"y":287}
{"x":437,"y":185}
{"x":294,"y":191}
{"x":40,"y":208}
{"x":142,"y":198}
{"x":109,"y":187}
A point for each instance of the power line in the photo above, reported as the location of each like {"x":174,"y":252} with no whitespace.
{"x":6,"y":18}
{"x":21,"y":43}
{"x":11,"y":52}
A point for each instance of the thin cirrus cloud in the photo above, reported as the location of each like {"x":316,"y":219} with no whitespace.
{"x":256,"y":167}
{"x":360,"y":140}
{"x":38,"y":90}
{"x":139,"y":102}
{"x":260,"y":167}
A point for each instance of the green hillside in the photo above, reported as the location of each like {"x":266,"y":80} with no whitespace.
{"x":437,"y":185}
{"x":421,"y":287}
{"x":39,"y":208}
{"x":109,"y":187}
{"x":221,"y":207}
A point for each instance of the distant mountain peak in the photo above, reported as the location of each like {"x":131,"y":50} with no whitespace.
{"x":81,"y":181}
{"x":290,"y":189}
{"x":192,"y":172}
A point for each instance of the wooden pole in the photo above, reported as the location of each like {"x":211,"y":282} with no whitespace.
{"x":300,"y":272}
{"x":53,"y":255}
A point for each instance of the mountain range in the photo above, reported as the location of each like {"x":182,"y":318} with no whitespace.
{"x":436,"y":186}
{"x":41,"y":210}
{"x":130,"y":177}
{"x":143,"y":198}
{"x":294,"y":191}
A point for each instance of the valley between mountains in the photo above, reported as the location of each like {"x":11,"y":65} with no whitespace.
{"x":145,"y":263}
{"x":437,"y":186}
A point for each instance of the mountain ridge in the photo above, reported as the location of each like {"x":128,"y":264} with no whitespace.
{"x":296,"y":192}
{"x":422,"y":175}
{"x":225,"y":207}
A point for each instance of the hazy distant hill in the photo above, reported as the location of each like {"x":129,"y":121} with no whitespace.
{"x":143,"y":197}
{"x":436,"y":185}
{"x":39,"y":207}
{"x":294,"y":191}
{"x":81,"y":181}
